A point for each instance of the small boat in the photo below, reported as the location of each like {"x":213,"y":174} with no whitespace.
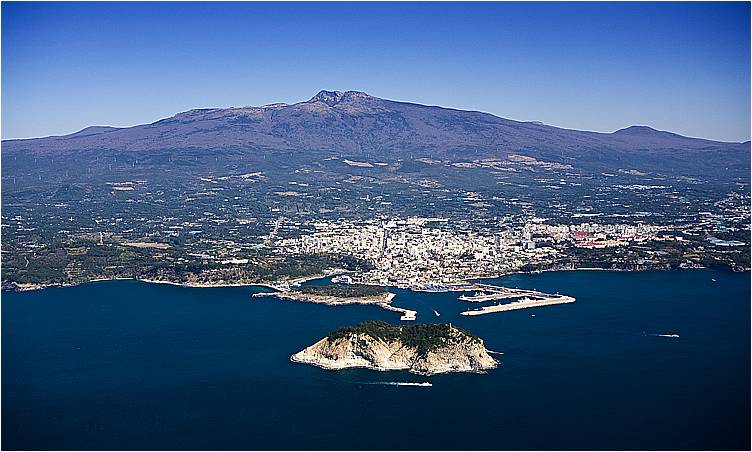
{"x":712,"y":279}
{"x":342,"y":279}
{"x":436,"y":312}
{"x":433,"y":288}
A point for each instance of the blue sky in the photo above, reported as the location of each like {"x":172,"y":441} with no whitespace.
{"x":682,"y":67}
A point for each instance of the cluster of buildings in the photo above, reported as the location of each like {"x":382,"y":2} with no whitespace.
{"x":594,"y":235}
{"x":421,"y":252}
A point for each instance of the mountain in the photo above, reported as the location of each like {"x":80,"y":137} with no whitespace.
{"x":353,"y":123}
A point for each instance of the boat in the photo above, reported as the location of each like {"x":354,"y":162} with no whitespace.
{"x":342,"y":279}
{"x":434,"y":288}
{"x":436,"y":312}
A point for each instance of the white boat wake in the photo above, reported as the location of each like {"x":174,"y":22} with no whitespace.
{"x":674,"y":335}
{"x":436,"y":312}
{"x":399,"y":383}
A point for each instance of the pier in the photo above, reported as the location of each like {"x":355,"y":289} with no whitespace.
{"x":522,"y":304}
{"x":481,"y":297}
{"x":488,"y":292}
{"x":407,"y":314}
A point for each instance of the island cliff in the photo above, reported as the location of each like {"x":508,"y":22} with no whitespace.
{"x":424,"y":349}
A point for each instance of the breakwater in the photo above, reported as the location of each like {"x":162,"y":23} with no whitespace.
{"x":522,"y":304}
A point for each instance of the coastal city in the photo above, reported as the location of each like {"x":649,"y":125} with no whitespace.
{"x":243,"y":228}
{"x":423,"y":253}
{"x":245,"y":219}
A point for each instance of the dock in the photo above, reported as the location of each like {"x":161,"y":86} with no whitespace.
{"x":522,"y":304}
{"x":493,"y":296}
{"x":488,"y":292}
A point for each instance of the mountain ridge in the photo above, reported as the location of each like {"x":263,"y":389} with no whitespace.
{"x":333,"y":98}
{"x":353,"y":123}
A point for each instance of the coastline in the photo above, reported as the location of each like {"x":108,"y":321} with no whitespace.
{"x":203,"y":285}
{"x":386,"y":369}
{"x":601,"y":269}
{"x":33,"y":287}
{"x":28,"y":287}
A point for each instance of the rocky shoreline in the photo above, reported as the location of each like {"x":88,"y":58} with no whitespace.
{"x":453,"y":350}
{"x":274,"y":285}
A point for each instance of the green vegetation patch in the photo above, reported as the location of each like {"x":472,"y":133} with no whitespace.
{"x":424,"y":337}
{"x":345,"y":290}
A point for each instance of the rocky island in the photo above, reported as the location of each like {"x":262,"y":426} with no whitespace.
{"x":424,"y":349}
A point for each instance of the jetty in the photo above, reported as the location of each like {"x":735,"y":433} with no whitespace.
{"x":522,"y":304}
{"x":480,"y":297}
{"x":488,"y":292}
{"x":407,"y":314}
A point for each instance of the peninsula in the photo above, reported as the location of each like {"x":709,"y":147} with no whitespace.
{"x":337,"y":295}
{"x":424,"y":349}
{"x":334,"y":294}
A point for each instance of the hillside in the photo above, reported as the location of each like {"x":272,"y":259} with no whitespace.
{"x":353,"y":123}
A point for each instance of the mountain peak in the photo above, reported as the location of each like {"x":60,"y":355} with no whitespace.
{"x":646,"y":131}
{"x":92,"y":130}
{"x":638,"y":130}
{"x":328,"y":97}
{"x":332,"y":98}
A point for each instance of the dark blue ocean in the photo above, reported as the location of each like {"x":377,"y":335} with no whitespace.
{"x":130,"y":365}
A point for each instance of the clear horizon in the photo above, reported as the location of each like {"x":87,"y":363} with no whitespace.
{"x":680,"y":67}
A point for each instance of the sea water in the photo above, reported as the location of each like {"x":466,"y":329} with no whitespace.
{"x":131,"y":365}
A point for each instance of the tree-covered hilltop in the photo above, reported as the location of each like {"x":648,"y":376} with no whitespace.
{"x":422,"y":336}
{"x":345,"y":290}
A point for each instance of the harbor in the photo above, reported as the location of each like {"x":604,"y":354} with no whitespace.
{"x":487,"y":292}
{"x":472,"y":292}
